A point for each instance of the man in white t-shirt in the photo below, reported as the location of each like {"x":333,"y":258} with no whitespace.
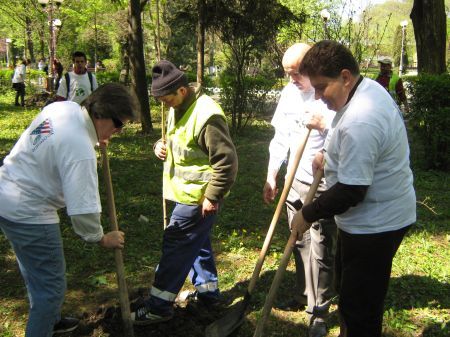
{"x":314,"y":254}
{"x":54,"y":165}
{"x":77,"y":84}
{"x":370,"y":184}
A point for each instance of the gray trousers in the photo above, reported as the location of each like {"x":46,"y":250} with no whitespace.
{"x":314,"y":256}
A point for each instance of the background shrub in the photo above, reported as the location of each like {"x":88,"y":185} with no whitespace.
{"x":104,"y":77}
{"x":430,"y":118}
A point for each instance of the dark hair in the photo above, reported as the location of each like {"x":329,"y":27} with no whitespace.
{"x":328,"y":58}
{"x":112,"y":100}
{"x":78,"y":54}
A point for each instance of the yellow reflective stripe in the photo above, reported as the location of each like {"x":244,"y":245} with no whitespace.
{"x":188,"y":175}
{"x":162,"y":294}
{"x":183,"y":152}
{"x":207,"y":287}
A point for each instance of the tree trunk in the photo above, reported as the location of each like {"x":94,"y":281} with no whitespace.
{"x":137,"y":64}
{"x":201,"y":41}
{"x":430,"y":29}
{"x":30,"y":44}
{"x":158,"y":33}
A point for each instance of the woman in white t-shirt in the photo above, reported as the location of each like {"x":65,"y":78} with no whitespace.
{"x":54,"y":165}
{"x":18,"y":82}
{"x":371,"y":193}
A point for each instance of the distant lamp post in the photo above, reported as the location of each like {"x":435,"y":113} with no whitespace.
{"x":8,"y":41}
{"x":403,"y":24}
{"x":50,"y":6}
{"x":325,"y":15}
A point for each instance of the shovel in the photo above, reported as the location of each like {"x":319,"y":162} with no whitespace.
{"x":285,"y":259}
{"x":163,"y":137}
{"x":226,"y":325}
{"x":120,"y":270}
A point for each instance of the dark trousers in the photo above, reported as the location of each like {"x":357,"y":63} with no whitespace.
{"x":20,"y":92}
{"x":363,"y":269}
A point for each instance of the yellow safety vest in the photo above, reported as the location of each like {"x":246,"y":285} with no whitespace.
{"x":187,"y":170}
{"x":392,"y":84}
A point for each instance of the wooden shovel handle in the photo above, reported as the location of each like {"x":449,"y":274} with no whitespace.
{"x":281,"y":203}
{"x":120,"y":270}
{"x":163,"y":137}
{"x":285,"y":259}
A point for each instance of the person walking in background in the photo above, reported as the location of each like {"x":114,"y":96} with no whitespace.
{"x":41,"y":67}
{"x":77,"y":84}
{"x":58,"y":72}
{"x":314,"y":254}
{"x":18,"y":82}
{"x":370,"y":184}
{"x":392,"y":83}
{"x":200,"y":166}
{"x":54,"y":165}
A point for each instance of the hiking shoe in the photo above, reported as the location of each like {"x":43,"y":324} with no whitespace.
{"x":143,"y":316}
{"x":292,"y":305}
{"x":66,"y":324}
{"x":317,"y":328}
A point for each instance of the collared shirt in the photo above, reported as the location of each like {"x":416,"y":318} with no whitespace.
{"x":292,"y":111}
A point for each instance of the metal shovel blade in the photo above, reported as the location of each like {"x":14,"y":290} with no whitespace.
{"x":231,"y":321}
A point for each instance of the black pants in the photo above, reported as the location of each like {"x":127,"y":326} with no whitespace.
{"x":20,"y":92}
{"x":363,"y":269}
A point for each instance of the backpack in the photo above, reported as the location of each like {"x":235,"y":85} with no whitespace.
{"x":67,"y":77}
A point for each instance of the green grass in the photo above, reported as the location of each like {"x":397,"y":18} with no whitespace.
{"x":418,"y":302}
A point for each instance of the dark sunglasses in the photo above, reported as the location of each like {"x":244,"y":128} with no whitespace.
{"x":118,"y":124}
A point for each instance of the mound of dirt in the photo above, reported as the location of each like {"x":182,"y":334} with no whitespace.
{"x":189,"y":320}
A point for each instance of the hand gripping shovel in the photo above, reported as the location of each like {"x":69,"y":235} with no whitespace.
{"x":285,"y":259}
{"x":123,"y":292}
{"x":226,"y":325}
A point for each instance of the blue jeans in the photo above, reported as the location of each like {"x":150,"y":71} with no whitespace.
{"x":39,"y":252}
{"x":186,"y":251}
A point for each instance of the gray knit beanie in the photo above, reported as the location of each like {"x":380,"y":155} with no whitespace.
{"x":166,"y":78}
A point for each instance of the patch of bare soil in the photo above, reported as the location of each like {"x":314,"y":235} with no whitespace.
{"x":189,"y":320}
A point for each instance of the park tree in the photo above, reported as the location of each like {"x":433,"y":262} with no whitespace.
{"x":397,"y":47}
{"x":137,"y":63}
{"x":26,"y":20}
{"x":430,"y":29}
{"x":201,"y":29}
{"x":243,"y":27}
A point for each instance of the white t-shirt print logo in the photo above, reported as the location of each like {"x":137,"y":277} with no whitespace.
{"x":41,"y":133}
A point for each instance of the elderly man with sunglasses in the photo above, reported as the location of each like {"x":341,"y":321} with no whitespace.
{"x":54,"y":165}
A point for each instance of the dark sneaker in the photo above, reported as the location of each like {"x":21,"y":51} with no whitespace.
{"x":194,"y":298}
{"x":66,"y":324}
{"x":143,"y":316}
{"x":292,"y":305}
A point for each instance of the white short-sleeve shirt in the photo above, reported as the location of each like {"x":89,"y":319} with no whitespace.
{"x":80,"y":87}
{"x":19,"y":74}
{"x":53,"y":165}
{"x":369,"y":146}
{"x":292,"y":110}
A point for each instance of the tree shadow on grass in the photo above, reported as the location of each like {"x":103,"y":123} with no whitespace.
{"x":412,"y":291}
{"x":436,"y":330}
{"x":191,"y":322}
